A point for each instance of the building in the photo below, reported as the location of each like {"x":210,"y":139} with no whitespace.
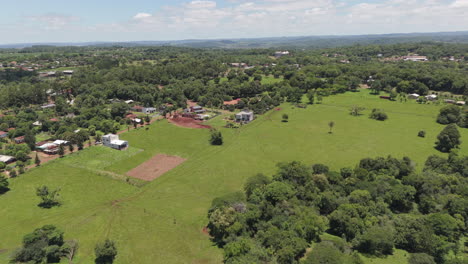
{"x":245,"y":116}
{"x":137,"y":108}
{"x":48,"y":106}
{"x":415,"y":58}
{"x":19,"y":140}
{"x":129,"y":102}
{"x":59,"y":142}
{"x":431,"y":97}
{"x":279,"y":54}
{"x":460,"y":102}
{"x":413,"y":96}
{"x":113,"y":141}
{"x":197,"y":109}
{"x":37,"y":123}
{"x":3,"y":134}
{"x":68,"y":72}
{"x":149,"y":110}
{"x":6,"y":159}
{"x":449,"y":101}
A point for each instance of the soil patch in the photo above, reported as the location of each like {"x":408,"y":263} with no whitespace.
{"x":155,"y":167}
{"x":188,"y":122}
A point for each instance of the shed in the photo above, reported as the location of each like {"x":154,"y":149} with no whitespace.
{"x":6,"y":159}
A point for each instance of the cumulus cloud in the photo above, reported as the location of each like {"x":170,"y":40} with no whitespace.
{"x":265,"y":18}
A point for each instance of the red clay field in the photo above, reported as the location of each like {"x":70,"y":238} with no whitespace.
{"x":155,"y":167}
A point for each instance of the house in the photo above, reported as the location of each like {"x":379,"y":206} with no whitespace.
{"x":245,"y":116}
{"x":149,"y":110}
{"x":19,"y":140}
{"x":47,"y":146}
{"x":68,"y":72}
{"x":197,"y":109}
{"x":114,"y":142}
{"x":449,"y":101}
{"x":6,"y":159}
{"x":460,"y":102}
{"x":431,"y":97}
{"x":415,"y":58}
{"x":413,"y":96}
{"x":59,"y":142}
{"x":137,"y":108}
{"x":48,"y":106}
{"x":129,"y":102}
{"x":3,"y":134}
{"x":279,"y":54}
{"x":37,"y":123}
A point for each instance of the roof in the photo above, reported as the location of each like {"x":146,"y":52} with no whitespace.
{"x":3,"y":132}
{"x":53,"y":119}
{"x":60,"y":142}
{"x":137,"y":107}
{"x":245,"y":113}
{"x":119,"y":142}
{"x":5,"y":159}
{"x":19,"y":138}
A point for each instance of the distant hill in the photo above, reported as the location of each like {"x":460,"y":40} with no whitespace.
{"x":278,"y":42}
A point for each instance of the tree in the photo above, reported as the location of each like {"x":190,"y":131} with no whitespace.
{"x":422,"y":133}
{"x":37,"y":161}
{"x":80,"y":145}
{"x":449,"y":138}
{"x":71,"y":148}
{"x":13,"y":173}
{"x":310,"y":96}
{"x":356,"y":110}
{"x":49,"y":197}
{"x":320,"y":168}
{"x":105,"y":252}
{"x":376,"y":241}
{"x":61,"y":150}
{"x":216,"y":137}
{"x":449,"y":114}
{"x":331,"y":124}
{"x":285,"y":118}
{"x":257,"y":181}
{"x":3,"y":184}
{"x":378,"y":114}
{"x":147,"y":119}
{"x":30,"y":139}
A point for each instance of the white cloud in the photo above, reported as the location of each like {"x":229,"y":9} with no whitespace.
{"x":142,"y":16}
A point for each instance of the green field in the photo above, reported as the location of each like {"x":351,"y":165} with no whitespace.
{"x":162,"y":221}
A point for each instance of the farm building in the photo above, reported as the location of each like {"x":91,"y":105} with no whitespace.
{"x":245,"y":116}
{"x":431,"y":97}
{"x":413,"y":96}
{"x":3,"y":134}
{"x":149,"y":110}
{"x":19,"y":140}
{"x":197,"y":109}
{"x":6,"y":159}
{"x":114,"y":142}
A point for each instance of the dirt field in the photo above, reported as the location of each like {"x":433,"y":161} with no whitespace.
{"x":155,"y":167}
{"x":188,"y":122}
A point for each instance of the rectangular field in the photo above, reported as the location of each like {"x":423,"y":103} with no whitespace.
{"x":155,"y":167}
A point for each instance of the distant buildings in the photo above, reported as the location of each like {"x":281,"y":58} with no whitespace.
{"x":415,"y":58}
{"x":279,"y":54}
{"x":431,"y":97}
{"x":413,"y":96}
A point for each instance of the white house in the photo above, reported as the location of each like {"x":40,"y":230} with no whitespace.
{"x":245,"y":116}
{"x":413,"y":96}
{"x":431,"y":97}
{"x":6,"y":159}
{"x":281,"y":53}
{"x":113,"y":141}
{"x":59,"y":142}
{"x":148,"y":110}
{"x":415,"y":58}
{"x":460,"y":102}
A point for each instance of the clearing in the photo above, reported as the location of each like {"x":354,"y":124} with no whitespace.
{"x":155,"y":167}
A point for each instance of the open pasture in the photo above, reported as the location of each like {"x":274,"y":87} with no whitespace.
{"x":162,"y":221}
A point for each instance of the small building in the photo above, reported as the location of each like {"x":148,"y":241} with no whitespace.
{"x":19,"y":140}
{"x":59,"y":142}
{"x":68,"y":72}
{"x":460,"y":102}
{"x":197,"y":109}
{"x":137,"y":108}
{"x":48,"y":106}
{"x":37,"y":123}
{"x":415,"y":58}
{"x":129,"y":102}
{"x":449,"y":101}
{"x":148,"y":110}
{"x":6,"y":159}
{"x":279,"y":54}
{"x":114,"y":142}
{"x":431,"y":97}
{"x":3,"y":134}
{"x":245,"y":116}
{"x":413,"y":96}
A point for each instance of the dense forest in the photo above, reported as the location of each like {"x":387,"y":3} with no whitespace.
{"x":379,"y":205}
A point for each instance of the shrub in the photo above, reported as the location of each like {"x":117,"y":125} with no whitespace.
{"x":216,"y":137}
{"x":378,"y":114}
{"x":285,"y":118}
{"x":422,"y":133}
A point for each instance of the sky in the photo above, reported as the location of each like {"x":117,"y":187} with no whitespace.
{"x":33,"y":21}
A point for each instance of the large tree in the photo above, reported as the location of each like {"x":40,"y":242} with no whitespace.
{"x":449,"y":138}
{"x":105,"y":252}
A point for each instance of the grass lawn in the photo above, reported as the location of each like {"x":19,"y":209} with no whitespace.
{"x":162,"y":221}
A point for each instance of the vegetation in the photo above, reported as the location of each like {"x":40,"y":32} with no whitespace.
{"x":105,"y":252}
{"x":378,"y":114}
{"x":448,"y":139}
{"x":216,"y":138}
{"x":49,"y":197}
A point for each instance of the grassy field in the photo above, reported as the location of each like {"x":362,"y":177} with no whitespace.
{"x":162,"y":221}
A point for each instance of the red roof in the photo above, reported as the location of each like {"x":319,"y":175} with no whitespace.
{"x":3,"y":132}
{"x":54,"y":119}
{"x":41,"y":143}
{"x":11,"y":128}
{"x":131,"y":116}
{"x":137,"y":107}
{"x":19,"y":138}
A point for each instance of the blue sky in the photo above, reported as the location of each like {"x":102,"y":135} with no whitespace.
{"x":119,"y":20}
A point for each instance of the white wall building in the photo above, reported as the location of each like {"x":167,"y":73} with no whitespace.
{"x":113,"y":141}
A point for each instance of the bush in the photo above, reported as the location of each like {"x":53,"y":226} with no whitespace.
{"x":422,"y":133}
{"x":285,"y":118}
{"x":378,"y":114}
{"x":376,"y":241}
{"x":320,"y":169}
{"x":421,"y":258}
{"x":105,"y":252}
{"x":216,"y":137}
